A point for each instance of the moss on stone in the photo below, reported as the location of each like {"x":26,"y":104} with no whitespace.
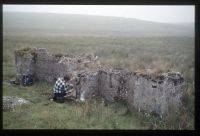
{"x":59,"y":55}
{"x":27,"y":50}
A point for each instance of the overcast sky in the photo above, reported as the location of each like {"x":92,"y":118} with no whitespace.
{"x":167,"y":14}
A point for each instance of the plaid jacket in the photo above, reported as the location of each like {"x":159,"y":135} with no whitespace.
{"x":61,"y":86}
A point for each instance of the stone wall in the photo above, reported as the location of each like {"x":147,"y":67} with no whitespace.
{"x":151,"y":94}
{"x":45,"y":66}
{"x":143,"y":91}
{"x":24,"y":64}
{"x":88,"y":85}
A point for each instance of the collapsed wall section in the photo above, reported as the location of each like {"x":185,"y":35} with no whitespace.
{"x":45,"y":66}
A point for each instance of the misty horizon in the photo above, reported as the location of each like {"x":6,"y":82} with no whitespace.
{"x":175,"y":23}
{"x":159,"y":13}
{"x":90,"y":25}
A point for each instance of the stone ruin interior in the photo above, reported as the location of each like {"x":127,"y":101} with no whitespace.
{"x":142,"y":91}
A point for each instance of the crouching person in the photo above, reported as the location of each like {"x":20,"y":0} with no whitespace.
{"x":61,"y":88}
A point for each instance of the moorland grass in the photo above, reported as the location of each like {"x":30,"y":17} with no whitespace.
{"x":161,"y":53}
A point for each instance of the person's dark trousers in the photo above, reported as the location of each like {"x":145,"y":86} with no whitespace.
{"x":59,"y":97}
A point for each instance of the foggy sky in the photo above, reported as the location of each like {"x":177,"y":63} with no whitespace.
{"x":158,"y":13}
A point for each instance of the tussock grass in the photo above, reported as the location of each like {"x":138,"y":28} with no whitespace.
{"x":45,"y":114}
{"x":159,"y":54}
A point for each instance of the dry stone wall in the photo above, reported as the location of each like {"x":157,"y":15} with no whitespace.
{"x":88,"y":85}
{"x":45,"y":66}
{"x":143,"y":91}
{"x":24,"y":65}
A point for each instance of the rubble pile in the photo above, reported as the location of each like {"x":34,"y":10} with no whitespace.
{"x":10,"y":102}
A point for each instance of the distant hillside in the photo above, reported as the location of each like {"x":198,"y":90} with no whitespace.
{"x":90,"y":25}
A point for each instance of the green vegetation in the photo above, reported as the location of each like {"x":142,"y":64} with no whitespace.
{"x":26,"y":50}
{"x":43,"y":113}
{"x":161,"y":53}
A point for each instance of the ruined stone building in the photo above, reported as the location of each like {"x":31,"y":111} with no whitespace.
{"x":148,"y":93}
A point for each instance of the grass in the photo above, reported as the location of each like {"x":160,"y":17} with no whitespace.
{"x":161,"y":54}
{"x":45,"y":114}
